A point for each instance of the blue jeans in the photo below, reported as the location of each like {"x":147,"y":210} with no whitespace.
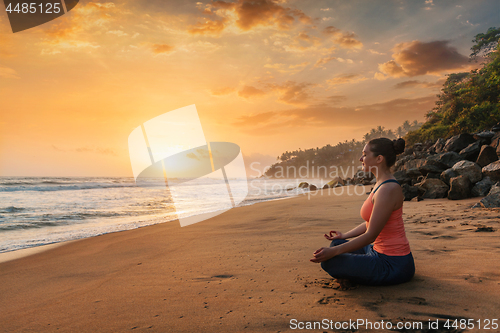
{"x":367,"y":266}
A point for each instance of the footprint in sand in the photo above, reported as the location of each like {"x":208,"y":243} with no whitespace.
{"x":413,"y":300}
{"x":473,"y":279}
{"x":338,"y":284}
{"x":444,"y":237}
{"x":330,"y":300}
{"x":213,"y":278}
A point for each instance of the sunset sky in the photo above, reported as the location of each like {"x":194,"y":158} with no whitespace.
{"x":267,"y":75}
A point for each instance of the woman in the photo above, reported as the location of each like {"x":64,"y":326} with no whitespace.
{"x":389,"y":259}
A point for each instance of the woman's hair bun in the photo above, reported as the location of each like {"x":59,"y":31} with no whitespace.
{"x":399,"y":145}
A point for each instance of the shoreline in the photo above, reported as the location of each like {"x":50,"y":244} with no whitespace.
{"x":28,"y":251}
{"x":20,"y":253}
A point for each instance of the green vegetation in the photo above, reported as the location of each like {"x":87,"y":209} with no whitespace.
{"x":342,"y":154}
{"x":469,"y":102}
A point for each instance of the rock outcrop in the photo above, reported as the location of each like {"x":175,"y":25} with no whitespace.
{"x":463,"y":166}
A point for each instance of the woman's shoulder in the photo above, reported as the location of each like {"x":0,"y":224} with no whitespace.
{"x":390,"y":193}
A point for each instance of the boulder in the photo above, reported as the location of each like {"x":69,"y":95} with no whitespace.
{"x":434,"y":188}
{"x":414,"y":182}
{"x":312,"y":187}
{"x":496,"y":128}
{"x":486,"y":156}
{"x":470,"y":169}
{"x":433,"y":175}
{"x":401,"y":160}
{"x":363,"y":178}
{"x":491,"y":201}
{"x":484,"y":136}
{"x":402,"y":177}
{"x":303,"y":185}
{"x":420,"y":154}
{"x":471,"y":152}
{"x":413,"y":172}
{"x":438,"y":146}
{"x":495,"y":140}
{"x":495,"y":188}
{"x":336,"y":181}
{"x":458,"y":142}
{"x":411,"y":192}
{"x":408,"y":151}
{"x":399,"y":164}
{"x":449,"y":158}
{"x":431,"y":165}
{"x":482,"y":187}
{"x":448,"y":174}
{"x":459,"y":188}
{"x":364,"y":175}
{"x":427,"y":145}
{"x":368,"y":181}
{"x":415,"y":163}
{"x":492,"y":170}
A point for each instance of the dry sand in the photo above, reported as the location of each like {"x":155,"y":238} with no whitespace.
{"x":248,"y":270}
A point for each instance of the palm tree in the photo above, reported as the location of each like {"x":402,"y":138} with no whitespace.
{"x":406,"y":125}
{"x":400,"y":131}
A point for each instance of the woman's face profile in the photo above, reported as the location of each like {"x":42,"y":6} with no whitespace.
{"x":367,"y":158}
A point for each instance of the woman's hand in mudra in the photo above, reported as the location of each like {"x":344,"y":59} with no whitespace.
{"x":331,"y":236}
{"x":323,"y":254}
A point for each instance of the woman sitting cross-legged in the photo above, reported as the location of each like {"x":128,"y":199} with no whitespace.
{"x":388,"y":260}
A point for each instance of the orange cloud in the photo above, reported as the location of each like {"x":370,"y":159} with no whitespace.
{"x":393,"y":112}
{"x":416,"y":83}
{"x":267,"y":13}
{"x":161,"y":48}
{"x":249,"y":92}
{"x":283,"y":68}
{"x":336,"y":98}
{"x":68,"y":32}
{"x":254,"y":120}
{"x":346,"y":40}
{"x":323,"y":61}
{"x":349,"y":41}
{"x":419,"y":58}
{"x":303,"y":42}
{"x":292,"y":92}
{"x":248,"y":14}
{"x":345,"y":78}
{"x":209,"y":27}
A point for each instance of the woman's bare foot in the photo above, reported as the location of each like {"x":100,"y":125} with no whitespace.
{"x":345,"y":284}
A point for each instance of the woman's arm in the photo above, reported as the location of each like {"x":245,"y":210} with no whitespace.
{"x":382,"y":210}
{"x":351,"y":233}
{"x":360,"y":229}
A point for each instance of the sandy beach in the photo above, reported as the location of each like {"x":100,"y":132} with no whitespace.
{"x":248,"y":270}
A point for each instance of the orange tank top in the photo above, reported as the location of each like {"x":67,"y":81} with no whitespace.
{"x":392,"y":239}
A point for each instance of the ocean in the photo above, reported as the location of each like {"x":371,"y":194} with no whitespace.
{"x":36,"y":211}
